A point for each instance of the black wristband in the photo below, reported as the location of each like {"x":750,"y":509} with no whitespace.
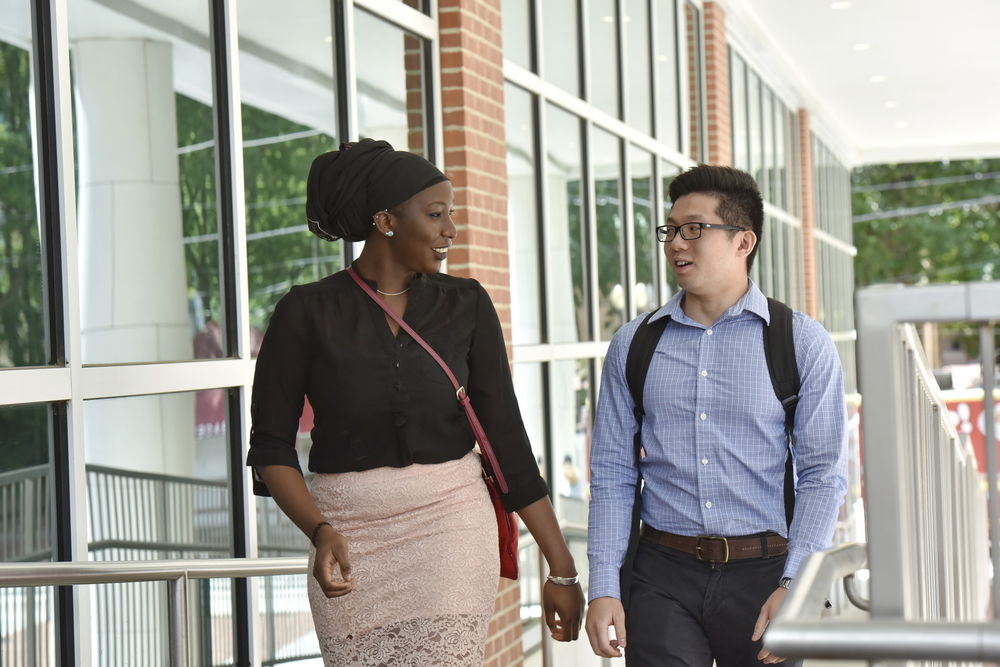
{"x":312,"y":538}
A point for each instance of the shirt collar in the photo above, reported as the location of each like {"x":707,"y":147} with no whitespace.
{"x":753,"y":300}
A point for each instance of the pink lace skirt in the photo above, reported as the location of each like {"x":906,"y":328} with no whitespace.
{"x":423,"y":547}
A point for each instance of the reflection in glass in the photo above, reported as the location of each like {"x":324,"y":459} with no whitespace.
{"x":522,"y":215}
{"x":571,"y":428}
{"x":755,"y":163}
{"x":23,"y":333}
{"x":604,"y":81}
{"x":766,"y":184}
{"x":737,"y":78}
{"x":780,"y":174}
{"x":289,"y":116}
{"x":646,"y":248}
{"x":640,"y":112}
{"x":530,"y":388}
{"x":561,"y":45}
{"x":390,"y":84}
{"x":27,"y":617}
{"x":517,"y":32}
{"x":566,"y":242}
{"x":692,"y":18}
{"x":610,"y":255}
{"x":668,"y":127}
{"x":668,"y":172}
{"x":148,"y":223}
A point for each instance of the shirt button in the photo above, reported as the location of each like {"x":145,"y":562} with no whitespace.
{"x":704,"y":462}
{"x":704,"y":374}
{"x":708,"y":332}
{"x":709,"y":504}
{"x":703,"y":416}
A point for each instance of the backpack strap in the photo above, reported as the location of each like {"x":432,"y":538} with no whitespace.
{"x":640,"y":354}
{"x":779,"y":350}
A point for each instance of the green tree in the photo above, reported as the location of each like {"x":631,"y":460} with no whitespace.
{"x":927,"y":222}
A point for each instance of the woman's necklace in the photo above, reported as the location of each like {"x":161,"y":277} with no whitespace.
{"x":392,"y":293}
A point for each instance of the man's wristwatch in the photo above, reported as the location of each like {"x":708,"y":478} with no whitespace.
{"x":785,"y":582}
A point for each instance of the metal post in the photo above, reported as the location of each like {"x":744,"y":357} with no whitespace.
{"x":177,"y":612}
{"x":987,"y":356}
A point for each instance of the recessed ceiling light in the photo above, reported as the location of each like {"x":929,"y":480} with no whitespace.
{"x":840,"y":4}
{"x":877,"y":78}
{"x":902,"y":125}
{"x":861,"y":46}
{"x":891,"y":104}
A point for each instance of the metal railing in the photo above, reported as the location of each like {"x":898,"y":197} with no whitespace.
{"x":926,"y":502}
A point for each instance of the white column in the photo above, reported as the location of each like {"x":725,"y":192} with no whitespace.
{"x":132,"y":273}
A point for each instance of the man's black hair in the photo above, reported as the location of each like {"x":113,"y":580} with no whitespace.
{"x":739,"y":200}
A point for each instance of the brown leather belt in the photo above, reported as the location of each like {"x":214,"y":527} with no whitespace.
{"x":717,"y":549}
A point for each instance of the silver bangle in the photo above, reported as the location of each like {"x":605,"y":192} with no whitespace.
{"x":564,"y":581}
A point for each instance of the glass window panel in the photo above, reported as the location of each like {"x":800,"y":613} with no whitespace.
{"x":668,"y":172}
{"x":638,"y":65}
{"x":390,"y":70}
{"x":23,"y":334}
{"x":566,"y":233}
{"x":522,"y":216}
{"x":27,"y":615}
{"x":561,"y":44}
{"x":668,"y":126}
{"x":645,"y":294}
{"x":571,"y":426}
{"x":146,"y":209}
{"x":604,"y":81}
{"x":767,"y":117}
{"x":737,"y":74}
{"x":610,"y":256}
{"x":517,"y":32}
{"x":754,"y":138}
{"x":289,"y":115}
{"x":530,"y":388}
{"x":780,"y":155}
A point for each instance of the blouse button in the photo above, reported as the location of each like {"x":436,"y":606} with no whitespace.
{"x":396,"y":364}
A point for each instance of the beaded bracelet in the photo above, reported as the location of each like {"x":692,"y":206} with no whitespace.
{"x":312,"y":538}
{"x":564,"y":581}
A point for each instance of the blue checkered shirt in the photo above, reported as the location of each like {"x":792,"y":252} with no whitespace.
{"x":714,"y":438}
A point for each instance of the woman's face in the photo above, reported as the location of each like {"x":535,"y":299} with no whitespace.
{"x":423,"y":229}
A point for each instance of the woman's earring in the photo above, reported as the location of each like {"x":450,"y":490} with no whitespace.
{"x":390,"y":233}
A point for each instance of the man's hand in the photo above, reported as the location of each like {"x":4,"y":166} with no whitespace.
{"x":604,"y":613}
{"x":563,"y":607}
{"x":768,"y":612}
{"x":331,"y":551}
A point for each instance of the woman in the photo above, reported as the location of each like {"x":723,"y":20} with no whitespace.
{"x":405,"y":561}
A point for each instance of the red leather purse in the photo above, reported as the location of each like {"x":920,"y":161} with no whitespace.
{"x":507,"y":530}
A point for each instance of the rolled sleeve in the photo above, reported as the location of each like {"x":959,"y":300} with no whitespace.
{"x":613,"y":472}
{"x":491,"y":391}
{"x":820,"y":450}
{"x":279,"y":390}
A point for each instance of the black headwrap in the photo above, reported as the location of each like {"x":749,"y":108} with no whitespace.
{"x":347,"y":187}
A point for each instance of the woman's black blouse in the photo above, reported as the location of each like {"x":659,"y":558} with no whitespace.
{"x":380,"y":400}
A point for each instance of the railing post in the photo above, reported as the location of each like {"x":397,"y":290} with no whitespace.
{"x":177,"y":612}
{"x":987,"y":356}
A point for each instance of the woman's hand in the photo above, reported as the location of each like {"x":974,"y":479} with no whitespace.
{"x":331,"y":552}
{"x":563,"y":607}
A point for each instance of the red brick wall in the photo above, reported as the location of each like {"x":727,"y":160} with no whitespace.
{"x":718,"y":112}
{"x":693,"y":84}
{"x":475,"y":158}
{"x":808,"y":215}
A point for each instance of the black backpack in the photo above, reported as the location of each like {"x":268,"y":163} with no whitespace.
{"x":779,"y":350}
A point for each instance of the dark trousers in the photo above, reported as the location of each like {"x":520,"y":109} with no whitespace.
{"x":686,"y":612}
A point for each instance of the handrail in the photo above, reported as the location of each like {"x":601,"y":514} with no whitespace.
{"x":798,"y":633}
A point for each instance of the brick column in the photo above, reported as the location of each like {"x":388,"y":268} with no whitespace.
{"x":719,"y":117}
{"x":809,"y":268}
{"x":475,"y":158}
{"x":693,"y":83}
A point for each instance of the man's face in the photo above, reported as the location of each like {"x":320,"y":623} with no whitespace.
{"x":715,"y":262}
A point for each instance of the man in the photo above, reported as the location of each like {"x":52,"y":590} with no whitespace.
{"x":714,"y":450}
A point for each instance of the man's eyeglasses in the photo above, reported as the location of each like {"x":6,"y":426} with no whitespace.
{"x":689,"y":230}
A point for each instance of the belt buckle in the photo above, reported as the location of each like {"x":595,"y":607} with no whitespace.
{"x":725,"y":543}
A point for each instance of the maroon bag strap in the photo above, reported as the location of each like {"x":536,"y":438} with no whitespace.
{"x":463,"y":398}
